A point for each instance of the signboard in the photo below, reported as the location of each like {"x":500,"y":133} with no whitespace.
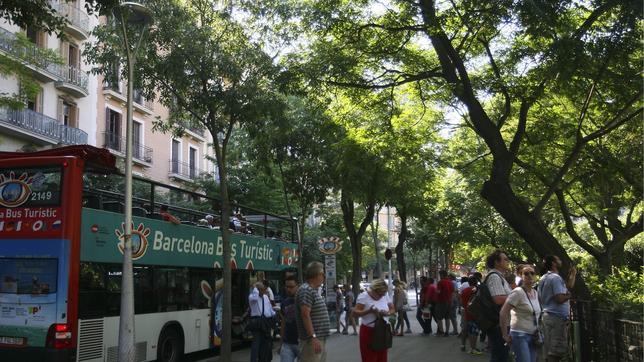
{"x":30,"y":200}
{"x":328,"y":247}
{"x":157,"y":242}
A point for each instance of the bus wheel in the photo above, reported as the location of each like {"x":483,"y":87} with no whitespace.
{"x":170,"y":347}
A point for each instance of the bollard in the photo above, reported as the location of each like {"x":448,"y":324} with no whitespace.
{"x":577,"y":342}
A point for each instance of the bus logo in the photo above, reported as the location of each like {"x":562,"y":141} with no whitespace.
{"x":14,"y":191}
{"x":139,"y":240}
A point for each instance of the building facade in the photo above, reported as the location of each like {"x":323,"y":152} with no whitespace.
{"x":77,"y":107}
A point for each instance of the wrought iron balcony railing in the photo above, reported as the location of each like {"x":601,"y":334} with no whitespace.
{"x":29,"y":54}
{"x":183,"y":169}
{"x":38,"y":123}
{"x":75,"y":76}
{"x":76,"y":16}
{"x":117,"y":143}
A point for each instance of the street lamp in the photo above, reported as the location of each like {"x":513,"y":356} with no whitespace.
{"x":134,"y":15}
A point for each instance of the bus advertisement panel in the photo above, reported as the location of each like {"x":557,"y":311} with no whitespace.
{"x":156,"y":242}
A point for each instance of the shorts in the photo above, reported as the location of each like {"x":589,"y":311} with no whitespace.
{"x":472,"y":328}
{"x":441,"y":311}
{"x":555,"y":332}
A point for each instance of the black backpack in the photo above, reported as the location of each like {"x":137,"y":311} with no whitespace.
{"x":483,"y":308}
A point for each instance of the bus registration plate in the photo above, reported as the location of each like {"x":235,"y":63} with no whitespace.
{"x":14,"y":341}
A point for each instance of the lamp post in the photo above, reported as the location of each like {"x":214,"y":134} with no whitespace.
{"x":133,"y":14}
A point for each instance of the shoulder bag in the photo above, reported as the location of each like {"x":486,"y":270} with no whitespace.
{"x":382,"y":337}
{"x":537,"y":337}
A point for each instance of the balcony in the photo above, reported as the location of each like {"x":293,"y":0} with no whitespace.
{"x":77,"y":20}
{"x":141,"y":104}
{"x":183,"y":171}
{"x":73,"y":80}
{"x":30,"y":55}
{"x":39,"y":128}
{"x":115,"y":142}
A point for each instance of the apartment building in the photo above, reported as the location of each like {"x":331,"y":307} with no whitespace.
{"x":76,"y":107}
{"x":159,"y":156}
{"x":64,"y":111}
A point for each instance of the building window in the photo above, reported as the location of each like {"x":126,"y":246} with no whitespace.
{"x":113,"y":129}
{"x":176,"y":146}
{"x":35,"y":104}
{"x":67,"y":113}
{"x":37,"y":37}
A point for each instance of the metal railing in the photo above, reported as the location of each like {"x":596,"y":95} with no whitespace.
{"x":183,"y":169}
{"x":117,"y":143}
{"x":139,"y":99}
{"x":76,"y":16}
{"x":40,"y":124}
{"x":75,"y":76}
{"x":29,"y":54}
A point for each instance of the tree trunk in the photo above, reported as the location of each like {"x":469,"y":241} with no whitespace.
{"x":355,"y":236}
{"x":400,"y":251}
{"x":529,"y":227}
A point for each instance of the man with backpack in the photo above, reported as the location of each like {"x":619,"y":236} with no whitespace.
{"x":499,"y":264}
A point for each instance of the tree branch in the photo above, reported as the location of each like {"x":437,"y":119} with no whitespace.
{"x":504,"y":89}
{"x":570,"y":227}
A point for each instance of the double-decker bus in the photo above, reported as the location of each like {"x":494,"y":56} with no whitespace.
{"x":61,"y":230}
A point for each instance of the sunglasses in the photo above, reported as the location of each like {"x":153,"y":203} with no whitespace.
{"x":528,"y":273}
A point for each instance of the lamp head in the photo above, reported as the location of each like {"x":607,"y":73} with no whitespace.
{"x":136,"y":14}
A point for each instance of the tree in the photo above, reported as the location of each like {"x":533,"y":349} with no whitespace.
{"x":208,"y":73}
{"x":496,"y":62}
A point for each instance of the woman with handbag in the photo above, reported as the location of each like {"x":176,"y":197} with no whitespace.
{"x":523,"y":310}
{"x":371,"y":307}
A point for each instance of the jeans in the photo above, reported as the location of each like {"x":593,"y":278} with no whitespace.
{"x":499,"y":351}
{"x":425,"y":324}
{"x":289,"y":352}
{"x":524,"y":350}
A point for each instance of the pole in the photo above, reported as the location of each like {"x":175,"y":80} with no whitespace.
{"x":126,"y":319}
{"x":389,"y":285}
{"x":300,"y":266}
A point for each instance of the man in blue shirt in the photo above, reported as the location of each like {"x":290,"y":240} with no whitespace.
{"x":290,"y":348}
{"x":554,"y":295}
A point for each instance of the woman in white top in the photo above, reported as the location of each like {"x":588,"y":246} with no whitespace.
{"x":369,"y":305}
{"x":522,"y":309}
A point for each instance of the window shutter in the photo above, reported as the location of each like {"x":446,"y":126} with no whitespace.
{"x":60,"y":110}
{"x":73,"y":117}
{"x":42,"y":39}
{"x":64,"y":51}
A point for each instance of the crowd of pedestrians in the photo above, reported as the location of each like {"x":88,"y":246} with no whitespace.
{"x":530,"y":315}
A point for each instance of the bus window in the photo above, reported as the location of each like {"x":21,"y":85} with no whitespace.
{"x":28,"y":276}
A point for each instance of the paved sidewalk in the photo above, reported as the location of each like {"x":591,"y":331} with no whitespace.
{"x":409,"y":348}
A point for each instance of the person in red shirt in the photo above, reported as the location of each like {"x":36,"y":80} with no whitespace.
{"x":471,"y":330}
{"x":444,"y":291}
{"x":167,"y":216}
{"x":430,"y":297}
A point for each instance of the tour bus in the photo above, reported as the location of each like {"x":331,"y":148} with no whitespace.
{"x":61,"y":235}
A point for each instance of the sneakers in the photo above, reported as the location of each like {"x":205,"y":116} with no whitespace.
{"x":463,"y":347}
{"x":475,"y":352}
{"x":408,"y":331}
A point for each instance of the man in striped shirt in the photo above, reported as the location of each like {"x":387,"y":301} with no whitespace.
{"x":313,"y":323}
